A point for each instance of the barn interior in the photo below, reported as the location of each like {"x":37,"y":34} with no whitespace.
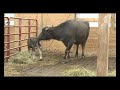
{"x":40,"y":20}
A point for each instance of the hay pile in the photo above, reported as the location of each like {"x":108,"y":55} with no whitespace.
{"x":23,"y":58}
{"x":79,"y":72}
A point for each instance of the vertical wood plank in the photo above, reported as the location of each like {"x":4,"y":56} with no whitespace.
{"x":103,"y":42}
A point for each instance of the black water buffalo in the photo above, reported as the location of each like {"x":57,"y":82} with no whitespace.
{"x":33,"y":43}
{"x":69,"y":32}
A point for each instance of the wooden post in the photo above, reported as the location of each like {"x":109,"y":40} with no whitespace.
{"x":103,"y":42}
{"x":113,"y":21}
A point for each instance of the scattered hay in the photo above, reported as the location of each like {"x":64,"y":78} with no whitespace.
{"x":10,"y":69}
{"x":113,"y":73}
{"x":23,"y":61}
{"x":79,"y":72}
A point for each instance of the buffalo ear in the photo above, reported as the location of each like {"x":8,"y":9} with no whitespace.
{"x":43,"y":30}
{"x":30,"y":39}
{"x":46,"y":28}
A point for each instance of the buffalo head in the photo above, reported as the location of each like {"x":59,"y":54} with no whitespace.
{"x":46,"y":34}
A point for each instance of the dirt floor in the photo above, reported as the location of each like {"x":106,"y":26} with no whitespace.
{"x":51,"y":65}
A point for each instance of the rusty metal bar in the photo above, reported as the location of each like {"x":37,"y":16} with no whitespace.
{"x":19,"y":18}
{"x":6,"y":57}
{"x":15,"y":41}
{"x":10,"y":55}
{"x":15,"y":47}
{"x":19,"y":34}
{"x":20,"y":23}
{"x":15,"y":33}
{"x":8,"y":45}
{"x":24,"y":45}
{"x":13,"y":54}
{"x":25,"y":26}
{"x":18,"y":26}
{"x":6,"y":34}
{"x":29,"y":28}
{"x":28,"y":33}
{"x":12,"y":41}
{"x":6,"y":50}
{"x":18,"y":47}
{"x":36,"y":28}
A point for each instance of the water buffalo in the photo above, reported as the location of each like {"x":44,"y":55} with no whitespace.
{"x":69,"y":32}
{"x":33,"y":43}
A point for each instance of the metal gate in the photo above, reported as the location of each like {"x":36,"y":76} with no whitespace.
{"x":8,"y":41}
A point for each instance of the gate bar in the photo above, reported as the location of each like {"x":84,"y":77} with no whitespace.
{"x":8,"y":45}
{"x":20,"y":22}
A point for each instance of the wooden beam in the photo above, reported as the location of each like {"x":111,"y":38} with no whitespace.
{"x":89,"y":19}
{"x":42,"y":20}
{"x":103,"y":43}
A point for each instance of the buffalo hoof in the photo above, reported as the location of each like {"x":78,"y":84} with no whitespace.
{"x":64,"y":61}
{"x":71,"y":59}
{"x":40,"y":59}
{"x":76,"y":55}
{"x":68,"y":57}
{"x":82,"y":57}
{"x":33,"y":57}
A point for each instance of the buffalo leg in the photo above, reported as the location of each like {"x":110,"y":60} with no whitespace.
{"x":83,"y":47}
{"x":28,"y":49}
{"x":69,"y":54}
{"x":40,"y":52}
{"x":76,"y":54}
{"x":66,"y":44}
{"x":33,"y":53}
{"x":67,"y":51}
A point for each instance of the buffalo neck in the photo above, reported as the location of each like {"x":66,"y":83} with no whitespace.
{"x":57,"y":33}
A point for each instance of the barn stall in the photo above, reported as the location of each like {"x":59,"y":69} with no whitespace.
{"x":53,"y":50}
